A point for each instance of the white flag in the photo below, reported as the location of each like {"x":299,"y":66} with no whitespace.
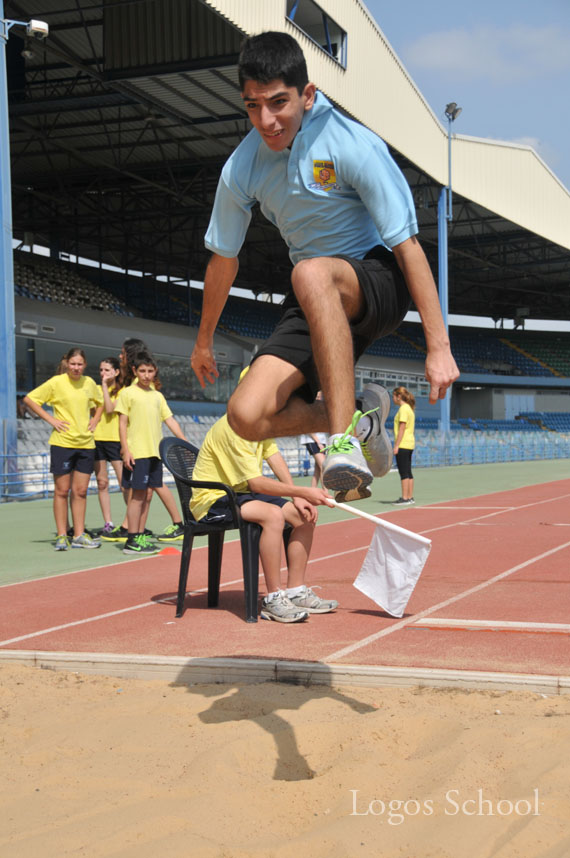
{"x":392,"y":567}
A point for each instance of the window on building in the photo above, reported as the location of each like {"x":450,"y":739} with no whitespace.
{"x":319,"y":27}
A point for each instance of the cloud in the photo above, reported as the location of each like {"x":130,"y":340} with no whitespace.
{"x":507,"y":55}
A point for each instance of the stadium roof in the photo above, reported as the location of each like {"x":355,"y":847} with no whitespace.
{"x":120,"y":122}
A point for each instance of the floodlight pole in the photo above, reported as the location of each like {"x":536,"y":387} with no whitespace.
{"x":8,"y":440}
{"x":444,"y":217}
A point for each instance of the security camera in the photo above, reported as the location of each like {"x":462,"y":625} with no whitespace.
{"x":37,"y":29}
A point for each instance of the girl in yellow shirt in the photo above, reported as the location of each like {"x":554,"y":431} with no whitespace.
{"x":107,"y":442}
{"x":405,"y":442}
{"x":72,"y":445}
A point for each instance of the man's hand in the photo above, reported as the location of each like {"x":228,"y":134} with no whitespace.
{"x":204,"y":365}
{"x":318,"y":497}
{"x":306,"y":509}
{"x":441,"y":372}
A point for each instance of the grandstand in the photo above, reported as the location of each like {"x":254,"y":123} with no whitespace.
{"x":127,"y":175}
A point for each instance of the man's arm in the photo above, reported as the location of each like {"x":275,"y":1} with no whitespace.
{"x":441,"y":369}
{"x":284,"y":486}
{"x":220,"y":275}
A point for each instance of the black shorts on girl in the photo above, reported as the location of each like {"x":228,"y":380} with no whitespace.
{"x":386,"y":302}
{"x":404,"y":463}
{"x":313,"y":448}
{"x":64,"y":460}
{"x":146,"y":474}
{"x":220,"y":511}
{"x":107,"y":451}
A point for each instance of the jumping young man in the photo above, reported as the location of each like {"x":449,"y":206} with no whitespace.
{"x":347,"y":215}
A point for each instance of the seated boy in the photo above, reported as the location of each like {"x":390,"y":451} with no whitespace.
{"x":225,"y":457}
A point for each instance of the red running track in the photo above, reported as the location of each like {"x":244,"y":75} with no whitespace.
{"x":495,"y":559}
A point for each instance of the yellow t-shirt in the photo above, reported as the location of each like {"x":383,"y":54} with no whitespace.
{"x":405,"y":415}
{"x":72,"y":401}
{"x":226,"y":458}
{"x":107,"y":428}
{"x":146,"y":410}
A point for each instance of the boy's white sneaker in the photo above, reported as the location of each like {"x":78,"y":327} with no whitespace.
{"x":374,"y":441}
{"x":281,"y":609}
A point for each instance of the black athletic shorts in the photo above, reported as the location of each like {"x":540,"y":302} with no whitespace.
{"x":220,"y":510}
{"x":146,"y":474}
{"x":64,"y":460}
{"x":313,"y":448}
{"x":386,"y":302}
{"x":107,"y":451}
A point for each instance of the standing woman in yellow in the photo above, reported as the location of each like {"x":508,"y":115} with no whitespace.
{"x":405,"y":442}
{"x":72,"y":445}
{"x":107,"y":442}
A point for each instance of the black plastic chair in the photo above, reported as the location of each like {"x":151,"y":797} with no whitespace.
{"x":180,"y":457}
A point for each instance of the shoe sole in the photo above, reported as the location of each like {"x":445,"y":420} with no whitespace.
{"x":113,"y":538}
{"x":382,"y":465}
{"x":170,"y":538}
{"x":142,"y":553}
{"x":265,"y":615}
{"x":319,"y":610}
{"x":349,"y":495}
{"x":342,"y":477}
{"x":86,"y":546}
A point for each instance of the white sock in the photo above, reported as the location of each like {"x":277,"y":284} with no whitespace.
{"x":271,"y":596}
{"x":293,"y":591}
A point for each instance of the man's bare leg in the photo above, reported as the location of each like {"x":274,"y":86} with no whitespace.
{"x":264,"y":405}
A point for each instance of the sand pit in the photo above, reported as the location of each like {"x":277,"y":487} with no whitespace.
{"x":101,"y":767}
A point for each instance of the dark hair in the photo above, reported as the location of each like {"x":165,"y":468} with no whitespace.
{"x":146,"y":358}
{"x":132,"y":347}
{"x":272,"y":56}
{"x":406,"y":396}
{"x":116,"y":364}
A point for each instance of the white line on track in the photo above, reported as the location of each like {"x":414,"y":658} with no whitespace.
{"x":341,"y":653}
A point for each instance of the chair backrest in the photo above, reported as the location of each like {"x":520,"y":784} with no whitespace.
{"x":180,"y":457}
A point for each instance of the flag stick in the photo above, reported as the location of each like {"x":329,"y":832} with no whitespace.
{"x":387,"y":524}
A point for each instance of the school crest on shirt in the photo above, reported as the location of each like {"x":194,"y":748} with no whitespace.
{"x":325,"y":176}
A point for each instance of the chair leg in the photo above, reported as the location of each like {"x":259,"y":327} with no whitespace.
{"x":183,"y":575}
{"x":249,"y":537}
{"x":215,"y":549}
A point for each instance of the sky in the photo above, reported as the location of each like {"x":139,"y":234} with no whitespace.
{"x":505,"y":62}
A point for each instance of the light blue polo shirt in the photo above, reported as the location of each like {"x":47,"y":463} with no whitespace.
{"x":336,"y":191}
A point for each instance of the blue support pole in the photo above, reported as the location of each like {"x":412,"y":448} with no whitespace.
{"x":445,"y":410}
{"x":8,"y":441}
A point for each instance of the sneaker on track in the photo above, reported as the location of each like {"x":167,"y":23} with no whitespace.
{"x":61,"y":543}
{"x":307,"y":600}
{"x":85,"y":541}
{"x":173,"y":533}
{"x":140,"y":544}
{"x":282,"y":610}
{"x":117,"y":534}
{"x":374,"y":441}
{"x":345,"y":467}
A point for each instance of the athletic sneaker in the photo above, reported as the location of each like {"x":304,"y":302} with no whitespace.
{"x":85,"y":541}
{"x":140,"y":544}
{"x":282,"y":610}
{"x":108,"y":528}
{"x":61,"y":543}
{"x":374,"y":441}
{"x":172,"y":533}
{"x":344,"y":467}
{"x":89,"y":532}
{"x":117,"y":534}
{"x":403,"y":502}
{"x":307,"y":600}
